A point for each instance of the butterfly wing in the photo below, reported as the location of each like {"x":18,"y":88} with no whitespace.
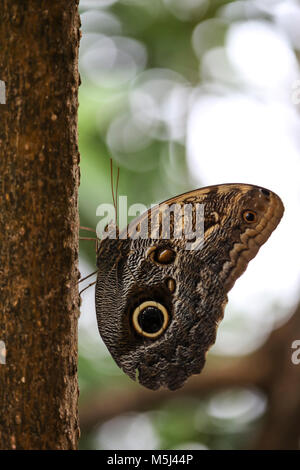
{"x":160,"y":297}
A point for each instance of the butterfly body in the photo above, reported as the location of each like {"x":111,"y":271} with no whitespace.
{"x":158,"y":303}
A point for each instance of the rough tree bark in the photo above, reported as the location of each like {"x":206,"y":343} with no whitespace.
{"x":39,"y":179}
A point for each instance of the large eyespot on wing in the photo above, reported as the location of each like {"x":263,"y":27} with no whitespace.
{"x":150,"y":319}
{"x":168,"y":344}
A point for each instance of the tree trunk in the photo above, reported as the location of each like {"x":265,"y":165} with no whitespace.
{"x":39,"y":179}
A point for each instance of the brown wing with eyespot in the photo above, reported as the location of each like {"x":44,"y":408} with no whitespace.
{"x":159,"y":305}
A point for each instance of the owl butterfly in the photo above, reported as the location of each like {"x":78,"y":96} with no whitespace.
{"x":158,"y":303}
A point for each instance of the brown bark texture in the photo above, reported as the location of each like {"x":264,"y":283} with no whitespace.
{"x":39,"y":180}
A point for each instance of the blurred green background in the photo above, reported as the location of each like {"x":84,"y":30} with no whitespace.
{"x":181,"y":94}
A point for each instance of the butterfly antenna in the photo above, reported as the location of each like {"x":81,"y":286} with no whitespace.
{"x":112,"y":183}
{"x":117,"y":186}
